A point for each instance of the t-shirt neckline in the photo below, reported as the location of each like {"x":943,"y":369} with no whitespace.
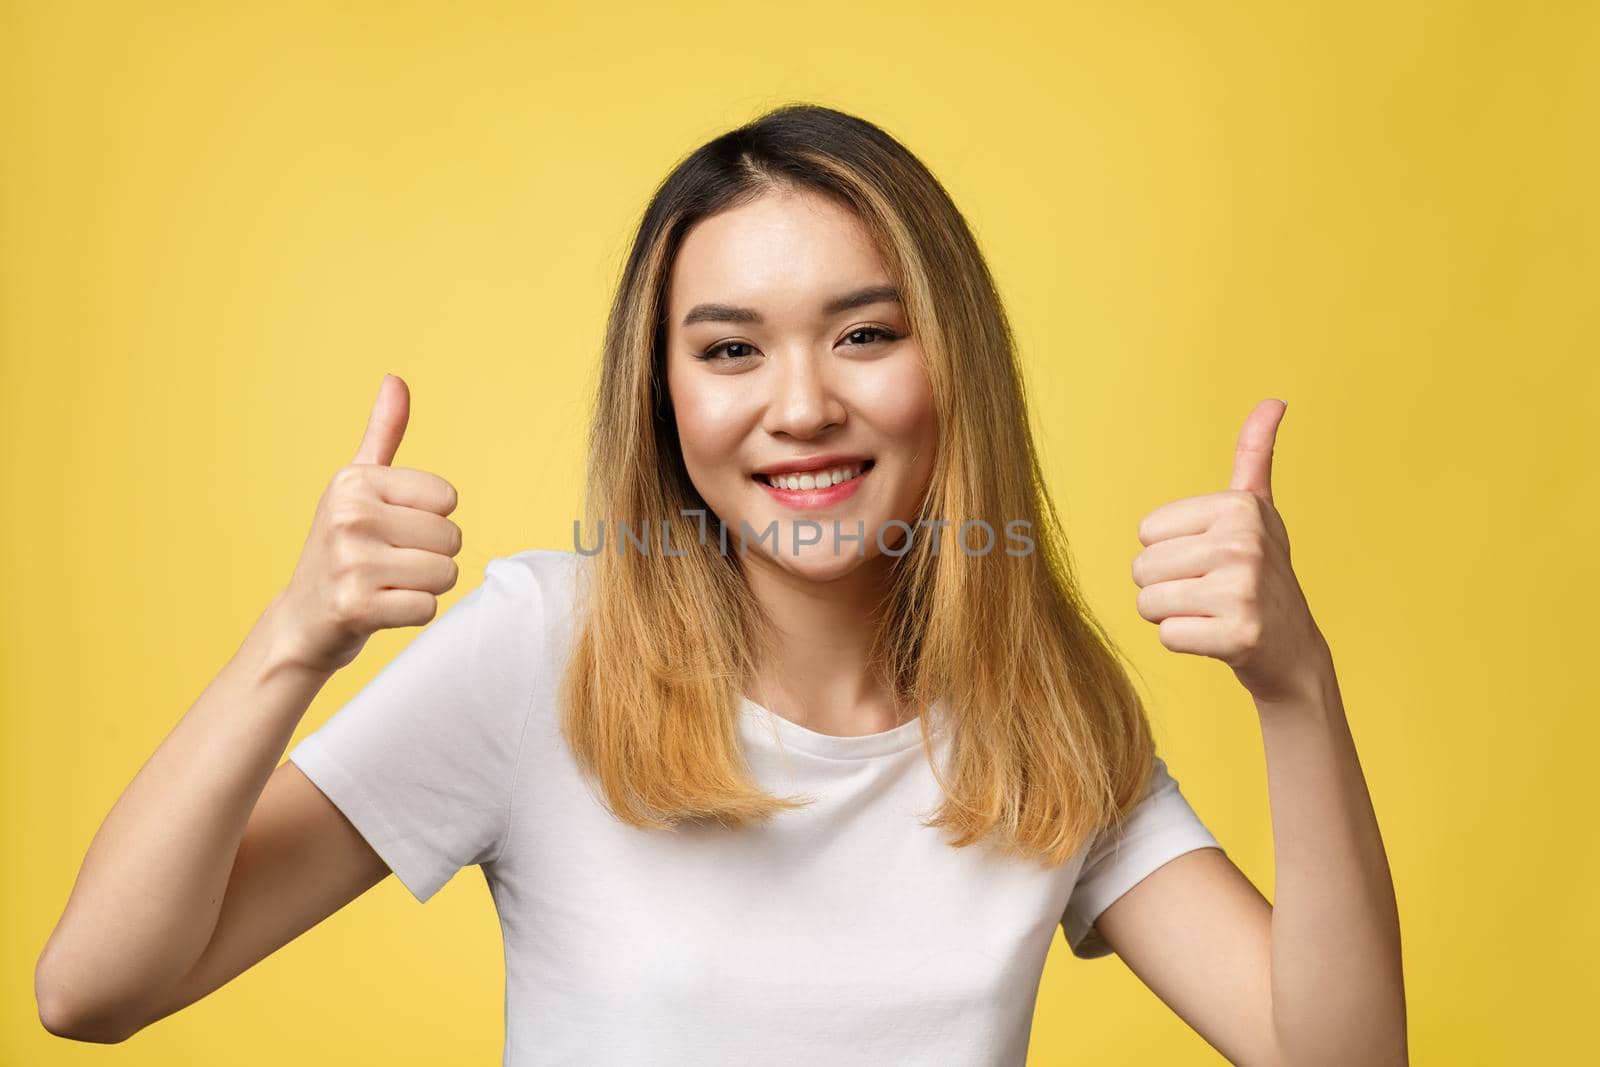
{"x":792,"y":734}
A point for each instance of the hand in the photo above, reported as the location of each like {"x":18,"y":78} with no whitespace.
{"x":379,"y":551}
{"x":1215,"y":575}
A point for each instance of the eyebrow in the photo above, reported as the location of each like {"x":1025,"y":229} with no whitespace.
{"x":871,"y":294}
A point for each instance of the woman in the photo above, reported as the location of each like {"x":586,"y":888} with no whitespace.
{"x":806,"y":749}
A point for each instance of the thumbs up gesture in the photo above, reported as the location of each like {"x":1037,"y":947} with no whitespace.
{"x":1215,"y":576}
{"x":379,"y":551}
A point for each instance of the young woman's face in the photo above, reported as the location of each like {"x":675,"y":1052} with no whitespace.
{"x":799,"y":391}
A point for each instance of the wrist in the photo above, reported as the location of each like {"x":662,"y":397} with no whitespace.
{"x":280,"y":648}
{"x":1314,"y":687}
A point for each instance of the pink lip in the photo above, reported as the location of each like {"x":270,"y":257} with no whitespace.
{"x":815,"y":499}
{"x":815,"y":463}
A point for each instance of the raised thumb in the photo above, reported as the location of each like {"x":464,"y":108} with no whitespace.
{"x":387,"y":423}
{"x":1252,"y":455}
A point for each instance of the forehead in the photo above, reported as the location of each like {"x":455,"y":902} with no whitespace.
{"x":784,"y":248}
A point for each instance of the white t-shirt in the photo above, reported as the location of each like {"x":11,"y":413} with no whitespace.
{"x":843,"y":933}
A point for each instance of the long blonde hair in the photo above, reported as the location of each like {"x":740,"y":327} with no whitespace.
{"x":1049,"y":741}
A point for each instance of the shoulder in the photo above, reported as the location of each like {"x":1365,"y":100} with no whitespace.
{"x":535,"y":571}
{"x":532,"y":592}
{"x":543,"y":568}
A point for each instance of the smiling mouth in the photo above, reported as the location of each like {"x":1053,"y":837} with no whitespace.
{"x":812,"y":480}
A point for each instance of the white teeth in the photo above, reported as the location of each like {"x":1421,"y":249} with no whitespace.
{"x":814,"y":479}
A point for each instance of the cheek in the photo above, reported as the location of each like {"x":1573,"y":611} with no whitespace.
{"x":710,"y":420}
{"x":897,"y":399}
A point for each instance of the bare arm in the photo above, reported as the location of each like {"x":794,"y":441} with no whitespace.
{"x":1198,"y":933}
{"x":1338,"y":988}
{"x":1316,"y":979}
{"x":154,"y":880}
{"x":214,"y":855}
{"x":300,"y":861}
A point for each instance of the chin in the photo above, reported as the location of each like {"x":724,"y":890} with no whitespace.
{"x":818,"y":563}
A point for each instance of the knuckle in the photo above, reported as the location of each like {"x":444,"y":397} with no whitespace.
{"x":1246,"y":549}
{"x":347,"y":514}
{"x":348,"y":602}
{"x":428,"y":608}
{"x":1249,"y":634}
{"x":360,"y":571}
{"x":1168,"y":636}
{"x":349,"y":479}
{"x":345,"y":558}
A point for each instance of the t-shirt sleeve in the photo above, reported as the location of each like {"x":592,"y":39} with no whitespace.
{"x":1161,"y":827}
{"x":423,"y":759}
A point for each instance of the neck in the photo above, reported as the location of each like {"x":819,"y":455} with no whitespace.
{"x":819,"y":675}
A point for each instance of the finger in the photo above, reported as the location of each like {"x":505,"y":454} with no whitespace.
{"x":1252,"y":455}
{"x":1190,"y":515}
{"x":405,"y":527}
{"x":387,"y":423}
{"x":403,"y":607}
{"x":414,"y":568}
{"x":1178,"y":557}
{"x":412,"y":488}
{"x":1185,"y":596}
{"x":1196,"y":636}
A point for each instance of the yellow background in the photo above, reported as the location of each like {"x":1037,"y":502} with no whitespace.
{"x":222,"y":223}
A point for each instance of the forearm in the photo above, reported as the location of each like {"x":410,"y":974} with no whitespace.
{"x":1337,"y":988}
{"x":151,"y":885}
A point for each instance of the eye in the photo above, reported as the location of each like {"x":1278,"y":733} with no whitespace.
{"x":734,"y":351}
{"x":881,"y":334}
{"x":715,"y":352}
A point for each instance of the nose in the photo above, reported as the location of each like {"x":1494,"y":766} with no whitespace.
{"x":802,"y":402}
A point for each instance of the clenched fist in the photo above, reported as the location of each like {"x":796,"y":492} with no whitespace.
{"x":1215,"y":575}
{"x":379,"y":551}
